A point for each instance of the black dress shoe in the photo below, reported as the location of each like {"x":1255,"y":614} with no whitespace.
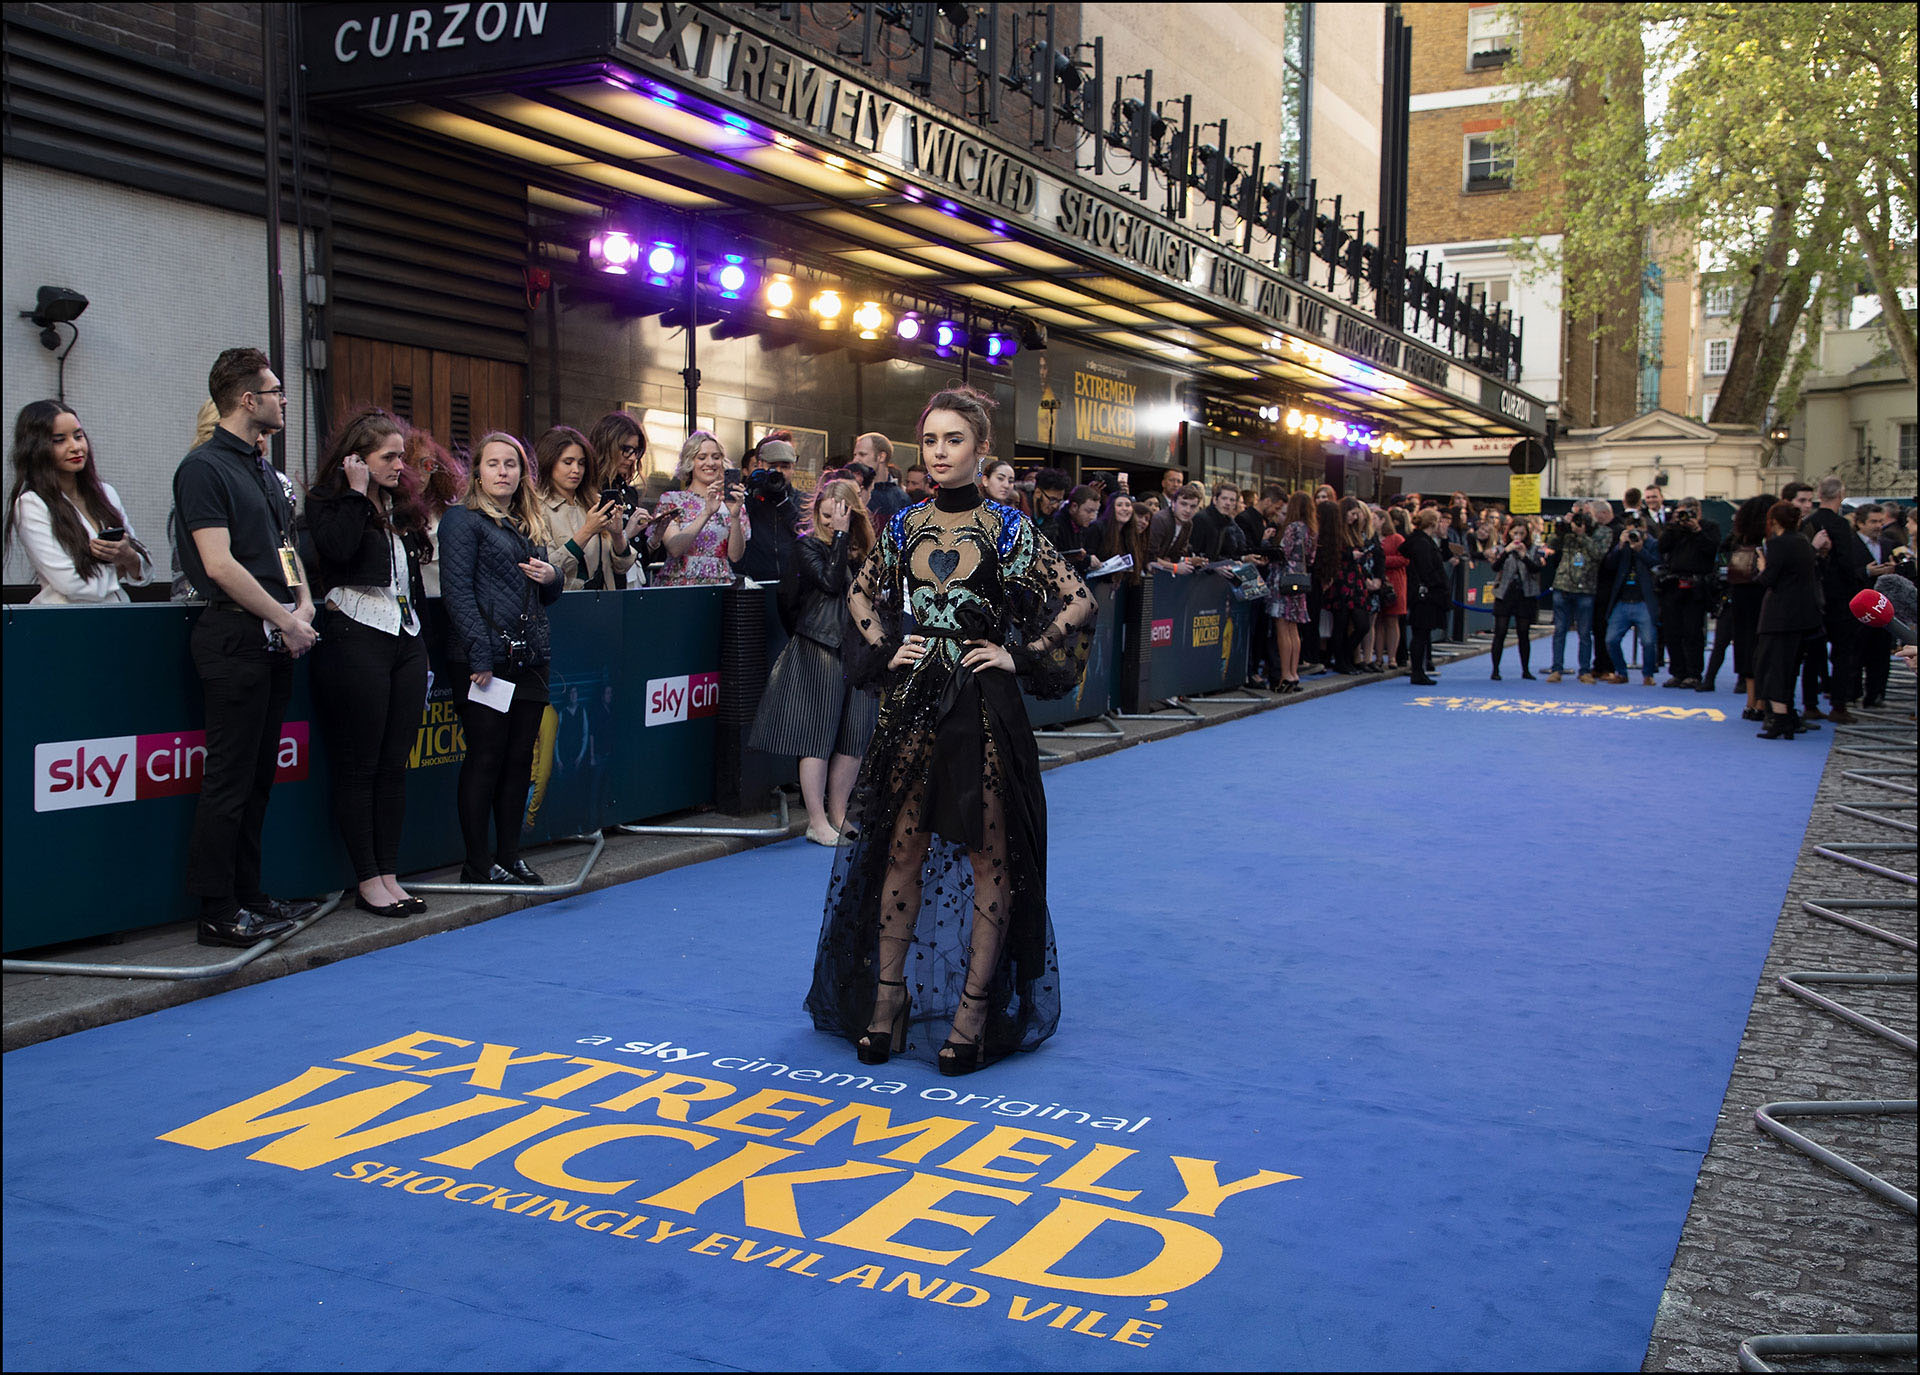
{"x":282,"y":911}
{"x":413,"y":904}
{"x":246,"y":928}
{"x":494,"y":874}
{"x":522,"y":874}
{"x":391,"y":909}
{"x":1421,"y":682}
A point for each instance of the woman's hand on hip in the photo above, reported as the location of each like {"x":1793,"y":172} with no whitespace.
{"x":986,"y":654}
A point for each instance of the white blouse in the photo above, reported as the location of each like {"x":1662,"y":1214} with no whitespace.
{"x":378,"y":608}
{"x":60,"y":583}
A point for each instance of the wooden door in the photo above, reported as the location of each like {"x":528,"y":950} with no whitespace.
{"x":457,"y":398}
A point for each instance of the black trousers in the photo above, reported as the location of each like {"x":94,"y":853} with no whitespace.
{"x":1843,"y":651}
{"x":1683,"y":629}
{"x":1813,"y":668}
{"x":1876,"y":650}
{"x":1420,"y":654}
{"x":368,"y":688}
{"x":246,"y":687}
{"x":494,"y":776}
{"x":1520,"y":612}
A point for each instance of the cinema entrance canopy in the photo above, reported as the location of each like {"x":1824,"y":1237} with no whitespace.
{"x":715,"y":114}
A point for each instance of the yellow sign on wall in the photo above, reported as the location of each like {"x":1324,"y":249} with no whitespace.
{"x":1523,"y":494}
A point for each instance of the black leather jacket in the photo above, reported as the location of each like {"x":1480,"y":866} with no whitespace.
{"x":825,"y":577}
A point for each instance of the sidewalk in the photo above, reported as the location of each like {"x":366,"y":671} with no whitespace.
{"x":39,"y":1007}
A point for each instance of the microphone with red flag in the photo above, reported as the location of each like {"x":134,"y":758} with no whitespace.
{"x":1872,"y":608}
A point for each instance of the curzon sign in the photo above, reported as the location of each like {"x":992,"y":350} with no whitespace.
{"x":136,"y":768}
{"x":358,"y":47}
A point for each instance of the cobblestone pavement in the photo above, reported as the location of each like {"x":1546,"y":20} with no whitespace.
{"x":1774,"y":1241}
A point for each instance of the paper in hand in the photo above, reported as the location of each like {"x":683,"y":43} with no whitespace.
{"x":1119,"y":563}
{"x":498,"y":694}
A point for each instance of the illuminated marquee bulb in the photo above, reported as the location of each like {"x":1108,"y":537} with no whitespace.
{"x":1295,"y":420}
{"x":827,"y":305}
{"x":870,"y":319}
{"x":780,"y":293}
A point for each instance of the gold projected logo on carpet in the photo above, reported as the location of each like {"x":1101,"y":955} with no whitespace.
{"x":1085,"y":1236}
{"x":1528,"y":707}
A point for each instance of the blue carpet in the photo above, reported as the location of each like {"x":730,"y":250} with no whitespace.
{"x":1471,"y":966}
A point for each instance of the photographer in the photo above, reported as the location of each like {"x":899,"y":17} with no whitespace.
{"x":700,"y":526}
{"x":1689,"y":551}
{"x":368,"y":530}
{"x":616,"y":444}
{"x":772,"y":512}
{"x":497,"y":583}
{"x":1629,"y":573}
{"x":1574,"y":580}
{"x":809,"y":709}
{"x":593,"y":530}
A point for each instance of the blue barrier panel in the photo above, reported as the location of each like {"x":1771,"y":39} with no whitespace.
{"x":1479,"y":598}
{"x":1199,"y":635}
{"x":104,"y":753}
{"x":1096,"y":691}
{"x":629,"y":734}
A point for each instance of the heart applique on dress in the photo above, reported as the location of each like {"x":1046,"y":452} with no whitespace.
{"x":943,"y":562}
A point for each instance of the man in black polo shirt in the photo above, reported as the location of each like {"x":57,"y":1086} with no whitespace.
{"x":258,"y":619}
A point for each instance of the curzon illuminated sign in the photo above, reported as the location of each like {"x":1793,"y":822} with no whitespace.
{"x":370,"y":47}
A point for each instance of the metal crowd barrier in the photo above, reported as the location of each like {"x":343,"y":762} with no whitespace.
{"x":1771,"y":1118}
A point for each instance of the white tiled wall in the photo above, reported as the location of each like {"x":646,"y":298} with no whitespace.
{"x":170,"y":285}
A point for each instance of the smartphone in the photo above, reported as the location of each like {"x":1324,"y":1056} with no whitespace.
{"x":734,"y":477}
{"x":114,"y":532}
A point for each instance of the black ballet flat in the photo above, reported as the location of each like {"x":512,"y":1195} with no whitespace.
{"x":413,"y":904}
{"x":874,"y":1047}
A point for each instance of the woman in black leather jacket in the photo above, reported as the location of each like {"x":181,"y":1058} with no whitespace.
{"x":808,"y":708}
{"x":366,"y":530}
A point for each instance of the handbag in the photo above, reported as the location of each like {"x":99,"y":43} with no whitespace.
{"x":1288,"y":583}
{"x":1388,"y":597}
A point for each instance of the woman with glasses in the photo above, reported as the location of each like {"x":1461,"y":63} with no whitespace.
{"x":615,"y":446}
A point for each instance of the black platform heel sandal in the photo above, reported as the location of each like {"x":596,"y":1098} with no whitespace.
{"x":874,"y":1047}
{"x":962,"y":1057}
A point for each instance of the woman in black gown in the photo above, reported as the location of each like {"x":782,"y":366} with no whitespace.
{"x":936,"y":940}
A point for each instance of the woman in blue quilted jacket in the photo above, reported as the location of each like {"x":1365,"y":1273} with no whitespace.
{"x":496,"y":584}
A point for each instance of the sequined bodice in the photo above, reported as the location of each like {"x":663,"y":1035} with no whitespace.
{"x":950,"y":565}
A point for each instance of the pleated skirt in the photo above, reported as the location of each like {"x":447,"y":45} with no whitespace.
{"x":809,"y":710}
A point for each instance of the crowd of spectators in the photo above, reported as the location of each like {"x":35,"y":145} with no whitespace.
{"x":392,"y":518}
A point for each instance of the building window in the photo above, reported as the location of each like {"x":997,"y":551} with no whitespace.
{"x":1490,"y":34}
{"x":1719,"y":300}
{"x":1707,"y":404}
{"x":1296,"y":93}
{"x":1495,"y":291}
{"x":1907,"y":457}
{"x":1717,"y":351}
{"x":1489,"y":164}
{"x":1860,"y":445}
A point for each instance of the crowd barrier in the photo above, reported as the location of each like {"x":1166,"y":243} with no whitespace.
{"x":104,"y":741}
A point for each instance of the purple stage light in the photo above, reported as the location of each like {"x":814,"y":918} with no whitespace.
{"x":614,"y":252}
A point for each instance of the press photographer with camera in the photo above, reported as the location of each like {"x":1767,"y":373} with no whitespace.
{"x":1630,"y":574}
{"x":1689,"y":552}
{"x":1574,"y":581}
{"x":772,"y":511}
{"x":592,"y":531}
{"x":367,"y":530}
{"x":497,"y":583}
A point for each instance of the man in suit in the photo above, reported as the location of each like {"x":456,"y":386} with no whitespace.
{"x":1842,"y":563}
{"x":1876,"y":644}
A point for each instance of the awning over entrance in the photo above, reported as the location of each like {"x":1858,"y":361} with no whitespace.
{"x":723,"y":116}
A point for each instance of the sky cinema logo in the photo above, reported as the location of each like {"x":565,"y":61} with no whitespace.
{"x":135,"y":768}
{"x":685,"y":698}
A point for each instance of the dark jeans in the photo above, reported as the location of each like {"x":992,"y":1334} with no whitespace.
{"x":246,"y":687}
{"x":368,"y":688}
{"x":1683,"y":627}
{"x":494,"y":776}
{"x":1520,"y":613}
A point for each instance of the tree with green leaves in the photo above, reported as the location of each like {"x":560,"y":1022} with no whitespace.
{"x":1778,"y":137}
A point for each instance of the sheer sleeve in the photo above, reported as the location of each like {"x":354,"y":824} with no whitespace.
{"x":1053,"y":616}
{"x":874,"y":632}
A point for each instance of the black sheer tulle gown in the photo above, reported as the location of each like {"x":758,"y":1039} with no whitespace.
{"x":945,"y":888}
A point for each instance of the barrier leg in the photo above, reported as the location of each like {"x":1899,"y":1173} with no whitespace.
{"x":778,"y":832}
{"x":178,"y":973}
{"x":1103,"y":720}
{"x":595,"y":844}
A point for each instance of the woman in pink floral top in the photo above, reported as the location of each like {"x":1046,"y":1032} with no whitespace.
{"x":701,"y":526}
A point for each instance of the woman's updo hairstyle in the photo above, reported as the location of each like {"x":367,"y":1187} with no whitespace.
{"x":975,"y":407}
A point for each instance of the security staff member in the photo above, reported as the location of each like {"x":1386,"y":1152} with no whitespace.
{"x":258,"y":619}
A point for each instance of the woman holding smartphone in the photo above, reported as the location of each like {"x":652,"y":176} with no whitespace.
{"x":368,"y":530}
{"x":701,"y":526}
{"x":496,"y":583}
{"x":73,"y":525}
{"x":593,"y":537}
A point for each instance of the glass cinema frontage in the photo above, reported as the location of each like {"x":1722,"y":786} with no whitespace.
{"x":841,"y":247}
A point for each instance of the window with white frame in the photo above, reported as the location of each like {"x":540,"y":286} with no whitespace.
{"x":1489,"y":163}
{"x":1496,"y":291}
{"x":1908,"y":459}
{"x":1491,"y":30}
{"x":1719,"y":300}
{"x":1717,"y":351}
